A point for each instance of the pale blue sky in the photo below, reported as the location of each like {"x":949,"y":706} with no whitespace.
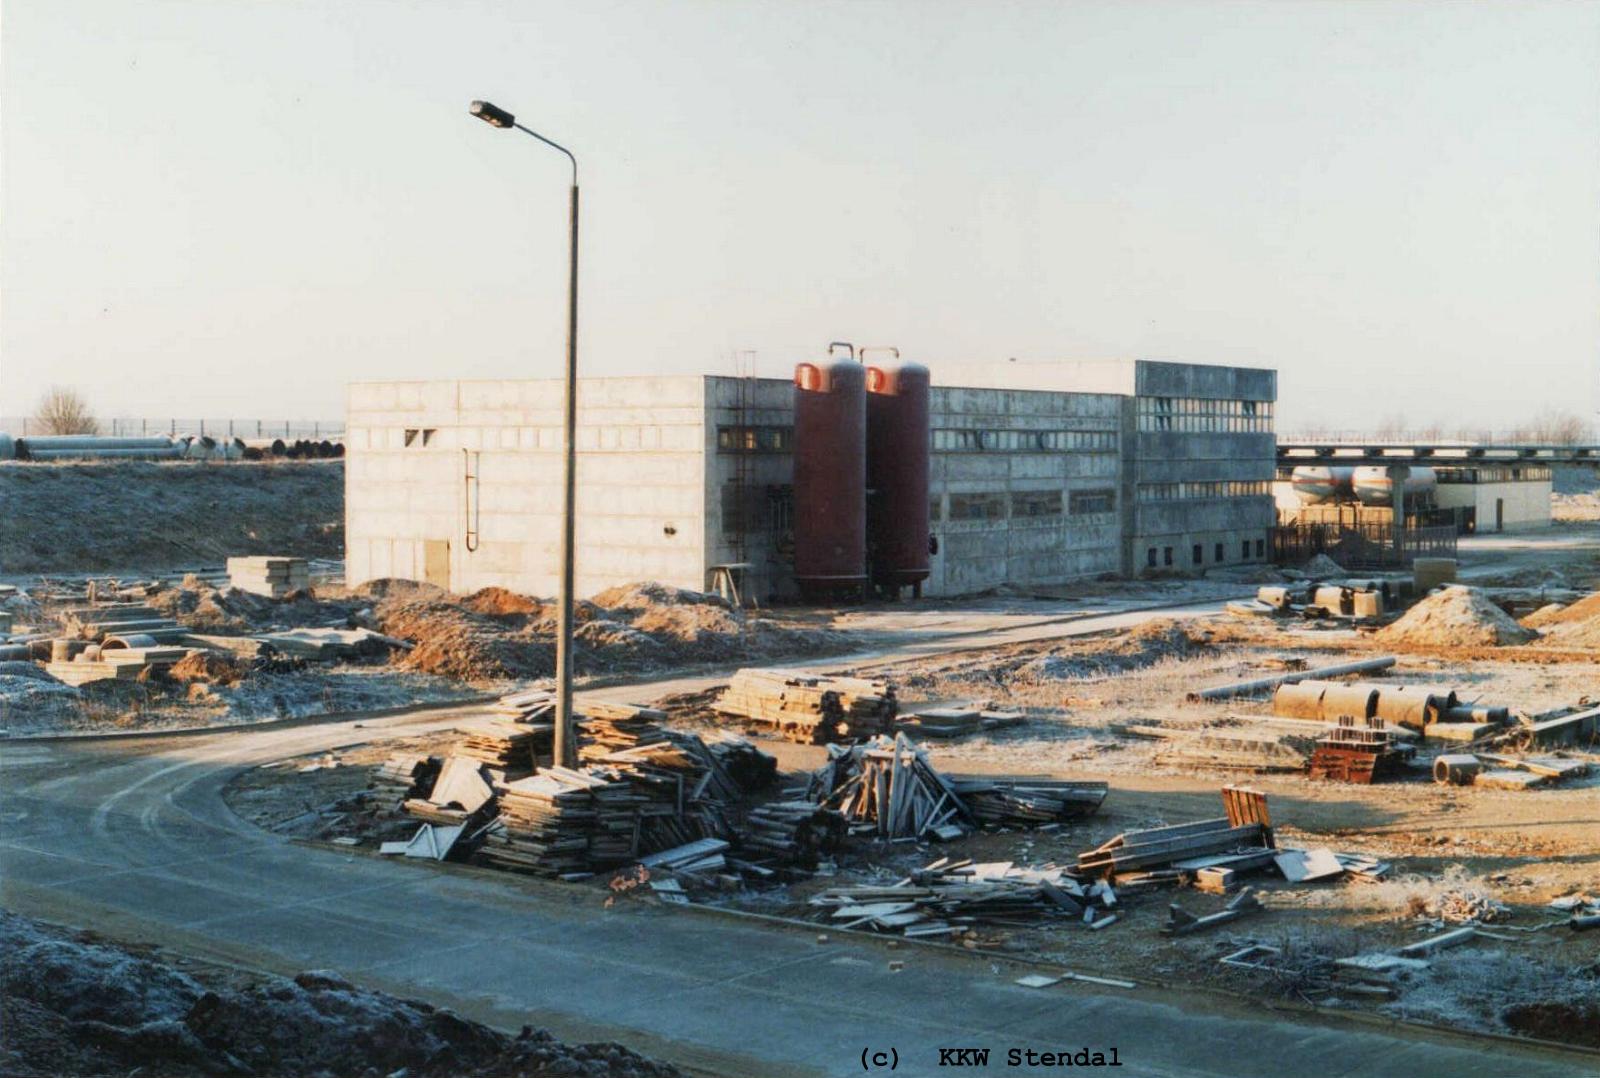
{"x":234,"y":208}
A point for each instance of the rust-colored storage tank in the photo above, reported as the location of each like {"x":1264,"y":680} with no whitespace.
{"x":830,"y":479}
{"x":897,"y":475}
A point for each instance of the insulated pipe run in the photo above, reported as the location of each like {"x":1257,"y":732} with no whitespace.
{"x":1246,"y":688}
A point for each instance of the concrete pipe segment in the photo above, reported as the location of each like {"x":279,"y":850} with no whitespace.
{"x":130,"y":641}
{"x":1414,"y":705}
{"x":1359,"y":701}
{"x":1456,"y":769}
{"x":1301,"y":699}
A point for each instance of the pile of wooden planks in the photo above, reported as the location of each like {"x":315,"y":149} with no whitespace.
{"x":537,"y":705}
{"x":891,"y":785}
{"x":562,"y":822}
{"x":809,"y":709}
{"x":508,"y":746}
{"x":275,"y":578}
{"x":1027,"y":802}
{"x":951,"y":897}
{"x":794,"y":832}
{"x":404,"y":776}
{"x":96,"y":622}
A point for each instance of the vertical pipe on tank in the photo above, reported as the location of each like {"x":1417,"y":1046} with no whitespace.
{"x":830,"y":479}
{"x":897,"y":475}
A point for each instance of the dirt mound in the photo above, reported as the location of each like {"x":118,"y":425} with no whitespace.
{"x":1455,"y":616}
{"x":496,"y":634}
{"x":74,"y":1005}
{"x":638,"y":598}
{"x":207,"y":668}
{"x":1322,"y":567}
{"x":143,"y":515}
{"x":1576,"y":625}
{"x":500,"y":601}
{"x":206,"y":608}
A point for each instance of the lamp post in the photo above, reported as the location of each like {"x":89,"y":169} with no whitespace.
{"x":565,"y":749}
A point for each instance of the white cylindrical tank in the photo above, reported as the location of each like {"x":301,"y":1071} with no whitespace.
{"x":1317,"y":483}
{"x":1372,"y":486}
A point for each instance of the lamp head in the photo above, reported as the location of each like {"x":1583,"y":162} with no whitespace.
{"x":491,"y":114}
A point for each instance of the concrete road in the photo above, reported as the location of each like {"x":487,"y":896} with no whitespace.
{"x":132,"y":838}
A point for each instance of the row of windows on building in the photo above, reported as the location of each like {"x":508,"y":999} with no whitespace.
{"x":1027,"y":441}
{"x":1026,"y":504}
{"x":1211,"y":488}
{"x":1197,"y":415}
{"x":1197,"y":553}
{"x":1496,"y":473}
{"x":763,"y":439}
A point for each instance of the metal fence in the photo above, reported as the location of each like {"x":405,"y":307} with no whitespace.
{"x":126,"y":426}
{"x":1364,"y":545}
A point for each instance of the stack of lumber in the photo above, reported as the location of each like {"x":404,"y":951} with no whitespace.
{"x":272,"y":577}
{"x":794,"y":832}
{"x":892,"y":786}
{"x":809,"y":709}
{"x":946,"y":898}
{"x":528,"y":705}
{"x":749,"y":767}
{"x":562,"y":822}
{"x":404,"y":776}
{"x":1024,"y":802}
{"x":609,"y":728}
{"x":507,"y":746}
{"x":689,"y":858}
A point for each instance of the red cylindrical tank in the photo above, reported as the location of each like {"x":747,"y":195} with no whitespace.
{"x":897,"y":474}
{"x":830,"y":479}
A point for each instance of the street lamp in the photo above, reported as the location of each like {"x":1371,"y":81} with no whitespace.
{"x":565,"y":749}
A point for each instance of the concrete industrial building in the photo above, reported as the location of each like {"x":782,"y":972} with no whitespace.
{"x":1040,"y":473}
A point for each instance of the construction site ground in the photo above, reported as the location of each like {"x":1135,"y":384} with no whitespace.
{"x":223,"y":845}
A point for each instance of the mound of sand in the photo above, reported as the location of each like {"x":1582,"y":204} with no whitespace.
{"x":1455,"y":616}
{"x":208,"y":668}
{"x":1575,"y":625}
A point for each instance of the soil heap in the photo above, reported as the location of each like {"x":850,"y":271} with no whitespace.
{"x":1455,"y":616}
{"x":75,"y":1005}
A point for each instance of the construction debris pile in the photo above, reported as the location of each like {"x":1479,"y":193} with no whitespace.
{"x":809,"y":709}
{"x":955,"y":897}
{"x":890,"y":787}
{"x":639,"y":789}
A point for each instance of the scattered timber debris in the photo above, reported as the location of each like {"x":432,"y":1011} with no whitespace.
{"x":809,"y":709}
{"x":946,"y":898}
{"x":1181,"y":923}
{"x":890,"y":787}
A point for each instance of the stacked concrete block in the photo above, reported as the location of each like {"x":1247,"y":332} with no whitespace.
{"x":272,"y":577}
